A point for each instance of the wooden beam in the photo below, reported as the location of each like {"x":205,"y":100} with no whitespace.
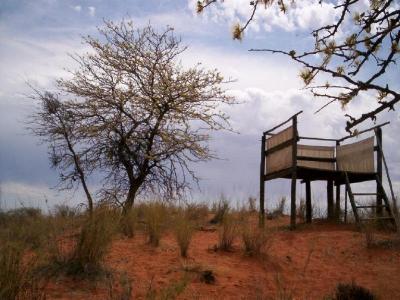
{"x":283,"y":123}
{"x":316,"y":139}
{"x":278,"y":147}
{"x":294,"y":176}
{"x":363,"y":131}
{"x":319,"y":159}
{"x":308,"y":202}
{"x":262,"y":183}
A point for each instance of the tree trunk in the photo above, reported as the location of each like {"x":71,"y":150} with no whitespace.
{"x":130,"y":198}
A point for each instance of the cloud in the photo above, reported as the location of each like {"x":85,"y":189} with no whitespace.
{"x":77,"y":8}
{"x":92,"y":11}
{"x":301,"y":15}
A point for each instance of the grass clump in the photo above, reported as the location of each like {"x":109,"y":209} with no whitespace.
{"x":155,"y":215}
{"x":17,"y":278}
{"x":278,"y":210}
{"x":221,"y":209}
{"x":254,"y":239}
{"x":93,"y":242}
{"x":82,"y":253}
{"x":183,"y":232}
{"x":227,"y":232}
{"x":26,"y":226}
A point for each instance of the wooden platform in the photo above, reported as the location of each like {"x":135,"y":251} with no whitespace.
{"x":311,"y":174}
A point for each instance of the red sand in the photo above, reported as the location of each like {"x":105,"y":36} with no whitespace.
{"x":307,"y":263}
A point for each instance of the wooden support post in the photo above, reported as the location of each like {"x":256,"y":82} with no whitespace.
{"x":329,"y":189}
{"x":345,"y":205}
{"x":262,"y":183}
{"x":378,"y":133}
{"x":294,"y":176}
{"x":337,"y":207}
{"x":308,"y":202}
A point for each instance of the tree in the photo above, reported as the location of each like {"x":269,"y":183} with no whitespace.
{"x":55,"y":123}
{"x":356,"y":57}
{"x":140,"y":117}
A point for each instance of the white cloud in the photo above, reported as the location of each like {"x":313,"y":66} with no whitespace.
{"x":77,"y":8}
{"x":92,"y":10}
{"x":303,"y":14}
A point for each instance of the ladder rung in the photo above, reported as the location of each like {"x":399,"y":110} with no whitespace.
{"x":370,"y":206}
{"x":364,"y":194}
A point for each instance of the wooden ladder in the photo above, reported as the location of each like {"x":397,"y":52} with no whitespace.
{"x":356,"y":207}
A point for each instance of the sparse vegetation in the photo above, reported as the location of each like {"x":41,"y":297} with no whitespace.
{"x":17,"y":278}
{"x":221,"y":209}
{"x":301,"y":210}
{"x":227,"y":232}
{"x":183,"y":232}
{"x":278,"y":210}
{"x":155,"y":216}
{"x":255,"y":239}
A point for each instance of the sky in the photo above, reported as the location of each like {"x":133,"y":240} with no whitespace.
{"x":36,"y":38}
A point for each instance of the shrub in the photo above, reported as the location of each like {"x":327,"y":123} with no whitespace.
{"x":155,"y":215}
{"x":345,"y":291}
{"x":255,"y":239}
{"x":227,"y":232}
{"x":183,"y":232}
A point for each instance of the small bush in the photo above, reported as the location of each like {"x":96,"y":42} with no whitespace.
{"x":345,"y":291}
{"x":255,"y":239}
{"x":183,"y":232}
{"x":227,"y":233}
{"x":155,"y":216}
{"x":221,"y":210}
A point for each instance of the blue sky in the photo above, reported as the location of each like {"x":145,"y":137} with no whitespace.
{"x":36,"y":37}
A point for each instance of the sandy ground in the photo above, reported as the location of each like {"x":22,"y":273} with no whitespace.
{"x":306,"y":264}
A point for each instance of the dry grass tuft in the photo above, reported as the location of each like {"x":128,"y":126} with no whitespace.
{"x":183,"y":232}
{"x":255,"y":239}
{"x":227,"y":232}
{"x":155,"y":215}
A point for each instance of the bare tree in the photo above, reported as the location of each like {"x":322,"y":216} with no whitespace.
{"x":55,"y":123}
{"x":140,"y":117}
{"x":356,"y":62}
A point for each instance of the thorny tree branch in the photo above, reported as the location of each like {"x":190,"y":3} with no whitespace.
{"x":356,"y":63}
